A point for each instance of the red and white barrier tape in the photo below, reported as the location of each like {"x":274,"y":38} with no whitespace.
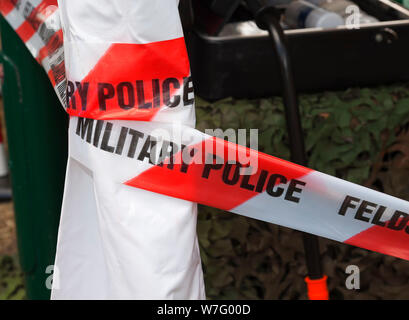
{"x":278,"y":191}
{"x":37,"y":23}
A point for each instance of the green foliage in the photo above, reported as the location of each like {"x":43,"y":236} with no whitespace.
{"x":11,"y":279}
{"x":346,"y":133}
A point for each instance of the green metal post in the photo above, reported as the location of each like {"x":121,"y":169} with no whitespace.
{"x":37,"y":137}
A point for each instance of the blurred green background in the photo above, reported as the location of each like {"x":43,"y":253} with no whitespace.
{"x":359,"y":134}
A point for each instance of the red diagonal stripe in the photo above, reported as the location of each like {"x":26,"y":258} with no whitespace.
{"x":55,"y":42}
{"x":383,"y":240}
{"x":51,"y":77}
{"x":25,"y":31}
{"x":125,"y":62}
{"x":6,"y":7}
{"x":39,"y":14}
{"x":212,"y":191}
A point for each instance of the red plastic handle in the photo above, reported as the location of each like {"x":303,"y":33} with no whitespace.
{"x":317,"y":288}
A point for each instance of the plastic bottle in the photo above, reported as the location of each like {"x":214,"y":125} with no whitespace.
{"x":303,"y":14}
{"x":340,"y":7}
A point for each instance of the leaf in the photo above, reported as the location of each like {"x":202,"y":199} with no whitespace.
{"x":402,"y":107}
{"x":221,"y":248}
{"x":220,"y":228}
{"x":203,"y":228}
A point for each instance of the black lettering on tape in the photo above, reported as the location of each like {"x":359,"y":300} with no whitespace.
{"x":292,"y":188}
{"x":140,"y":91}
{"x":246,"y":178}
{"x":147,"y":148}
{"x":126,"y":95}
{"x":187,"y":152}
{"x":168,"y":150}
{"x":85,"y":126}
{"x":167,"y":94}
{"x":226,"y":173}
{"x":70,"y":95}
{"x":188,"y":89}
{"x":136,"y":135}
{"x":210,"y":165}
{"x":97,"y":134}
{"x":378,"y":215}
{"x":261,"y":181}
{"x":365,"y":208}
{"x":83,"y":93}
{"x":106,"y":91}
{"x":272,"y":182}
{"x":156,"y":93}
{"x":121,"y":140}
{"x":398,"y":221}
{"x":348,"y":203}
{"x":105,"y":139}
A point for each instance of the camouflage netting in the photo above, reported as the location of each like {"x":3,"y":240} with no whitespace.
{"x":360,"y":135}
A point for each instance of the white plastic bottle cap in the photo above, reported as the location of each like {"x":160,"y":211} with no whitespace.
{"x":320,"y":18}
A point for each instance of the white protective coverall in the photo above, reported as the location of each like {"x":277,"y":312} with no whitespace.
{"x":115,"y":241}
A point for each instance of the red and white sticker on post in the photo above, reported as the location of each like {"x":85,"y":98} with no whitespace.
{"x":38,"y":25}
{"x":129,"y":92}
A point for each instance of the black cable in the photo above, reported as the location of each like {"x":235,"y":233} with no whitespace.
{"x":267,"y":19}
{"x":292,"y":114}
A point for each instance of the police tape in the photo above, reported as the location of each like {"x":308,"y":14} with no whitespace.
{"x":198,"y":168}
{"x":38,"y":25}
{"x":150,"y":82}
{"x":104,"y":91}
{"x":128,"y":89}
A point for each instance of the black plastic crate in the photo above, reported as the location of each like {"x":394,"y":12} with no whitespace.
{"x":245,"y":66}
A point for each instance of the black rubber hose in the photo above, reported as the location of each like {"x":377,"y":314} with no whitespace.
{"x":292,"y":113}
{"x":267,"y":19}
